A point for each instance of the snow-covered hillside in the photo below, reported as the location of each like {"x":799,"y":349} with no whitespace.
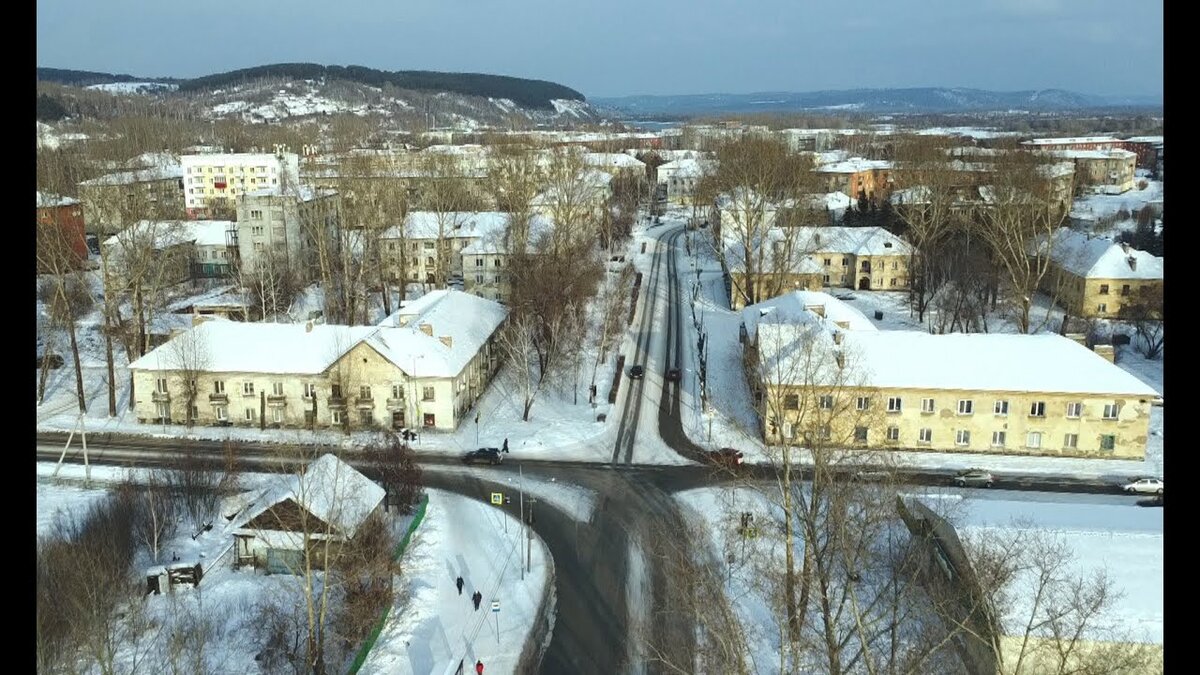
{"x":134,"y":87}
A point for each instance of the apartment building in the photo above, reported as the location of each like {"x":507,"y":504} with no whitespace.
{"x":1093,"y":277}
{"x":681,"y":176}
{"x":65,"y":215}
{"x":1107,"y":171}
{"x":424,"y":366}
{"x":486,"y":260}
{"x":429,"y":244}
{"x":869,"y":179}
{"x":286,"y":226}
{"x":909,"y":390}
{"x":182,"y":250}
{"x":114,"y":201}
{"x":213,"y":182}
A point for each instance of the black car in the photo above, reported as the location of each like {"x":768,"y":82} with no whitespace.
{"x":636,"y":372}
{"x":483,"y":456}
{"x":726,"y":457}
{"x":673,"y":375}
{"x":1156,"y":500}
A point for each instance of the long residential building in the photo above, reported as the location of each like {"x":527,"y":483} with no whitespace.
{"x":909,"y":390}
{"x":213,"y":182}
{"x":424,"y":366}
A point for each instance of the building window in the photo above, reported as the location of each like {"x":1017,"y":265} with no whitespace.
{"x":1103,"y":289}
{"x":248,"y":388}
{"x":1071,"y":441}
{"x":222,"y":413}
{"x":893,"y":433}
{"x":1074,"y":410}
{"x":998,"y":439}
{"x":1111,"y":410}
{"x":479,"y":278}
{"x":429,"y":245}
{"x":1001,"y":408}
{"x":845,"y":262}
{"x":161,"y":385}
{"x":364,"y":392}
{"x":927,"y":405}
{"x":219,"y":386}
{"x":863,"y":403}
{"x":398,"y":391}
{"x":791,"y":402}
{"x":893,"y":404}
{"x":828,"y":262}
{"x":860,"y":434}
{"x":1125,"y":289}
{"x":335,"y":417}
{"x":1108,"y":442}
{"x":823,"y":432}
{"x":1037,"y":409}
{"x":277,"y":388}
{"x":966,"y":406}
{"x":335,"y":390}
{"x":479,"y":262}
{"x":366,"y":418}
{"x":258,"y":246}
{"x":310,"y":390}
{"x":826,"y":402}
{"x":430,"y":421}
{"x":429,"y":261}
{"x":1102,"y":308}
{"x":962,"y":437}
{"x":1033,"y":440}
{"x":164,"y":411}
{"x":277,"y":415}
{"x":250,"y":414}
{"x":925,"y":436}
{"x":427,"y":393}
{"x":256,"y":230}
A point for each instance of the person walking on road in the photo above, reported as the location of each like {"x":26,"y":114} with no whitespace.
{"x":504,"y":448}
{"x":477,"y":598}
{"x":479,"y":668}
{"x":459,"y":582}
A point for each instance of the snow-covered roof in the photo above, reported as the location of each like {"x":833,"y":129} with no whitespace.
{"x":329,"y":489}
{"x":239,"y":159}
{"x":1115,"y":153}
{"x":804,"y":307}
{"x":970,"y":362}
{"x":1071,"y":141}
{"x":47,"y":200}
{"x":139,"y":176}
{"x":283,"y":348}
{"x":493,"y":241}
{"x":453,"y":224}
{"x":168,"y":233}
{"x":1153,"y":140}
{"x":468,"y":319}
{"x":1097,"y":258}
{"x":854,"y":165}
{"x":306,"y":193}
{"x":688,"y":167}
{"x":613,"y":159}
{"x":210,"y":232}
{"x":151,"y":159}
{"x":856,"y":240}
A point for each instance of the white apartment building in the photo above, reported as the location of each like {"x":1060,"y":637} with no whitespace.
{"x":213,"y":182}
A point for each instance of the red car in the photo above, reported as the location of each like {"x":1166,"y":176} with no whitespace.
{"x":726,"y":457}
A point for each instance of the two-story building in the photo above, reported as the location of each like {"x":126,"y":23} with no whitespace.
{"x":910,"y":390}
{"x":424,"y":366}
{"x":1093,"y":277}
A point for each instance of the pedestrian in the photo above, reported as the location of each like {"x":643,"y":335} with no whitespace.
{"x":479,"y":668}
{"x":477,"y":598}
{"x":459,"y":582}
{"x":505,"y":447}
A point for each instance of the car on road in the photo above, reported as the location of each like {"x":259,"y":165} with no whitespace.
{"x":872,"y":475}
{"x":483,"y":456}
{"x":673,"y":375}
{"x":726,"y":457}
{"x":636,"y":372}
{"x":1144,"y":486}
{"x":974,"y":478}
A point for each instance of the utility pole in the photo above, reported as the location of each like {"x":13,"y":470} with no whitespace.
{"x":521,"y":470}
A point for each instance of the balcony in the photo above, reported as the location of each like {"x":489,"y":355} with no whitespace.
{"x":160,"y":397}
{"x":364,"y":402}
{"x":276,"y":399}
{"x":336,"y":401}
{"x":395,"y":404}
{"x":218,"y":398}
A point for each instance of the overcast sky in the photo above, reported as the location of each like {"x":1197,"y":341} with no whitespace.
{"x":619,"y":47}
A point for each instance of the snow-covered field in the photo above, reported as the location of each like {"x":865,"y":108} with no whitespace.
{"x":433,"y":627}
{"x":1102,"y":206}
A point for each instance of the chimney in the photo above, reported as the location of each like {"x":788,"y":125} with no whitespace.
{"x":426,"y":329}
{"x":1125,"y":247}
{"x":1107,"y":352}
{"x":837,"y":340}
{"x":1132,"y":263}
{"x":308,"y":327}
{"x":447,"y":340}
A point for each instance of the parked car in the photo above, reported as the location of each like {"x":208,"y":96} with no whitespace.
{"x":483,"y":456}
{"x":726,"y":457}
{"x":673,"y":375}
{"x":56,"y":361}
{"x":1144,"y":486}
{"x":1156,"y":500}
{"x":872,"y":475}
{"x":636,"y":372}
{"x":974,"y":478}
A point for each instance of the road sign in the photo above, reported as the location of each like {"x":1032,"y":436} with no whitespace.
{"x":495,"y":605}
{"x":497,"y":498}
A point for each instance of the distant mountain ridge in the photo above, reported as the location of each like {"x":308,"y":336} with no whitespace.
{"x":912,"y":100}
{"x":538,"y":94}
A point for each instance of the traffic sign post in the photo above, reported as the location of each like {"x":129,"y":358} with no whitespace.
{"x":497,"y":498}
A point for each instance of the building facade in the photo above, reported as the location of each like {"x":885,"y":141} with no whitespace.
{"x":1092,"y":277}
{"x":65,"y":215}
{"x":213,"y":182}
{"x":113,"y":202}
{"x":286,"y":226}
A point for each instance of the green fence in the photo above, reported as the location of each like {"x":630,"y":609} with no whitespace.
{"x":366,"y":648}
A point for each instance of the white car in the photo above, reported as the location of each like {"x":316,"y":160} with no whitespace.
{"x":1145,"y":486}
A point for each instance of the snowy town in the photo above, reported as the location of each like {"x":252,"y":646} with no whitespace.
{"x":346,"y":373}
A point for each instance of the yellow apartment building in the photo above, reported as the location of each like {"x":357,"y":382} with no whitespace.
{"x":1092,"y":277}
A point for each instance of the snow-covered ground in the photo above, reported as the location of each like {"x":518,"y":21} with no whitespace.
{"x":432,"y":627}
{"x":574,"y":500}
{"x":1102,"y":533}
{"x":1102,"y":206}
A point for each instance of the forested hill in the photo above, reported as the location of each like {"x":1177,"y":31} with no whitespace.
{"x":525,"y":92}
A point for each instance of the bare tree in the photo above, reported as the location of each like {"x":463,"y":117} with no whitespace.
{"x":393,"y":464}
{"x":1145,"y":311}
{"x":67,"y":295}
{"x":189,"y":359}
{"x":155,"y":520}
